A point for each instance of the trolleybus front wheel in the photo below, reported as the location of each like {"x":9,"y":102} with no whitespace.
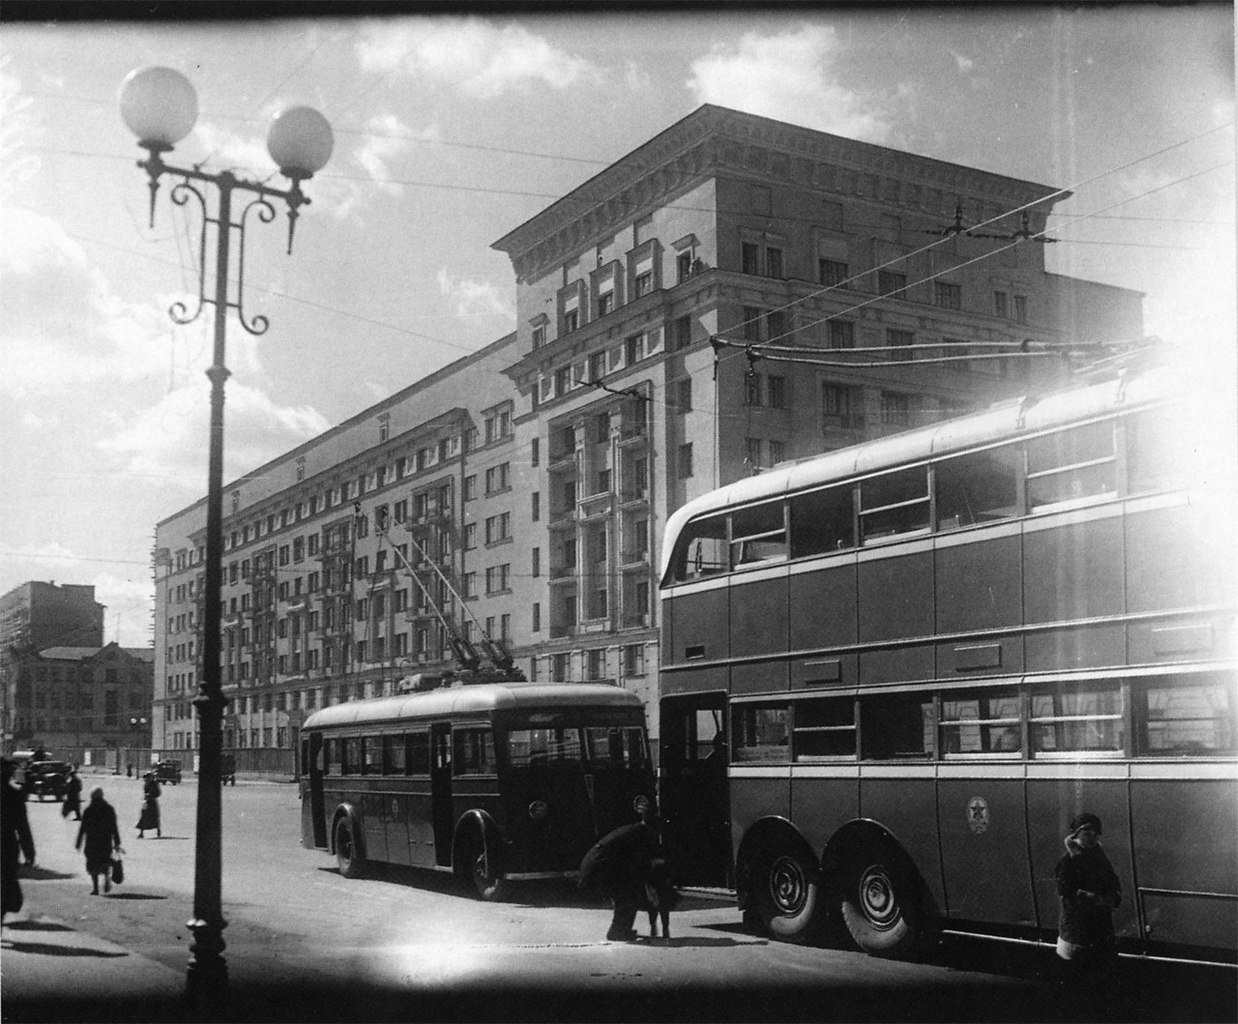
{"x":786,"y":893}
{"x":347,"y":855}
{"x":879,"y":905}
{"x":481,"y":860}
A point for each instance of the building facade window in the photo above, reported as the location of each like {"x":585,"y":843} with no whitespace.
{"x":831,"y":273}
{"x":892,"y":284}
{"x":947,"y":295}
{"x":683,"y":461}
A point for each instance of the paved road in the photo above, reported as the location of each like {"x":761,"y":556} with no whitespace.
{"x":306,"y":944}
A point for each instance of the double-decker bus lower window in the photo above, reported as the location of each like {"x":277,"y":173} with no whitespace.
{"x":616,"y":746}
{"x":896,"y":726}
{"x":895,"y":503}
{"x":543,"y":746}
{"x":1072,"y":464}
{"x":758,"y":534}
{"x":1187,"y":718}
{"x":474,"y":752}
{"x":824,"y":729}
{"x":1085,"y":717}
{"x":977,"y":488}
{"x":822,"y":521}
{"x":351,"y":756}
{"x":760,"y":732}
{"x":417,"y":753}
{"x":393,"y":755}
{"x":702,"y":549}
{"x":984,"y":723}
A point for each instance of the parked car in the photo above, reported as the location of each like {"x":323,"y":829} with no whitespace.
{"x":168,"y":770}
{"x":227,"y":769}
{"x":47,"y":778}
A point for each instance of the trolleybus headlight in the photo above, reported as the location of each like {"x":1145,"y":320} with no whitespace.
{"x":641,"y":805}
{"x":538,"y":810}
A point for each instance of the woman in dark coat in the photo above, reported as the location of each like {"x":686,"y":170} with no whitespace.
{"x":73,"y":796}
{"x":18,"y":840}
{"x":102,"y":838}
{"x":149,"y":818}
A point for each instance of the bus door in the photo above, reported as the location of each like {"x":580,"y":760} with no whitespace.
{"x":440,"y":791}
{"x":313,"y":766}
{"x":694,"y":794}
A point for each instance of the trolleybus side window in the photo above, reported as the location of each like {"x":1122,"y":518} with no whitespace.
{"x":332,"y":752}
{"x":977,"y":488}
{"x":474,"y":752}
{"x":371,"y":755}
{"x":895,"y":503}
{"x":702,"y":549}
{"x":760,"y":732}
{"x":1071,"y":465}
{"x":393,"y":754}
{"x":351,"y":755}
{"x":823,"y":728}
{"x":758,"y":534}
{"x":988,"y":722}
{"x":897,"y":725}
{"x":822,"y":521}
{"x":1073,"y":717}
{"x":417,"y":753}
{"x":1186,"y":717}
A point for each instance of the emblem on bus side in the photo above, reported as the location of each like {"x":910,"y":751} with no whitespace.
{"x":978,"y":814}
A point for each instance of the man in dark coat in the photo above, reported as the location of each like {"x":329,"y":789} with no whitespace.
{"x":1088,"y":892}
{"x":17,"y":839}
{"x":618,"y":866}
{"x":98,"y":830}
{"x":73,"y":796}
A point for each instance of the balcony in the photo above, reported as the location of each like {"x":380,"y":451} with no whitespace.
{"x":559,"y":573}
{"x":633,"y":497}
{"x":636,"y":620}
{"x":560,"y":461}
{"x":634,"y":558}
{"x":632,"y":431}
{"x":597,"y":505}
{"x":562,"y":519}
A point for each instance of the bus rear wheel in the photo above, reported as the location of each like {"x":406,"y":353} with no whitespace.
{"x":879,"y":906}
{"x":347,"y":854}
{"x":786,"y":894}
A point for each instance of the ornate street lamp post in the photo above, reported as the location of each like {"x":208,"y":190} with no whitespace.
{"x":160,"y":106}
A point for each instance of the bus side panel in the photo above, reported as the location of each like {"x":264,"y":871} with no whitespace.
{"x":1073,"y":570}
{"x":979,"y":585}
{"x":396,"y":820}
{"x":1085,"y":647}
{"x":760,"y":677}
{"x":1055,"y":798}
{"x":820,"y":807}
{"x":419,"y":808}
{"x":982,"y":825}
{"x":1184,"y":841}
{"x":697,"y":680}
{"x":823,"y":608}
{"x":907,"y":806}
{"x":1179,"y":557}
{"x":759,"y":617}
{"x":701,"y":626}
{"x":756,"y":798}
{"x":897,"y":664}
{"x":896,"y":597}
{"x":373,"y":817}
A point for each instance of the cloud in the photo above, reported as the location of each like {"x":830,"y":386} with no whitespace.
{"x":789,"y":76}
{"x":481,"y":59}
{"x":474,"y":298}
{"x":130,"y":602}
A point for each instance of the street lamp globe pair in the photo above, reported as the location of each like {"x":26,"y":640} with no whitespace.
{"x":160,"y":106}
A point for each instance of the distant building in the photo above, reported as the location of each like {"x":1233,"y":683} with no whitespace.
{"x":37,"y":615}
{"x":69,"y":699}
{"x":537,"y":473}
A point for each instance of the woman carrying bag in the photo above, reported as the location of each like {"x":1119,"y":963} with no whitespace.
{"x":102,"y":837}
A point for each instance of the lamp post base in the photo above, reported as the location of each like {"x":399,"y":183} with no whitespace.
{"x":206,"y":981}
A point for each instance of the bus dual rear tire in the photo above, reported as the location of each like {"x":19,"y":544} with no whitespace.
{"x":347,"y":853}
{"x":880,"y":905}
{"x":786,"y":896}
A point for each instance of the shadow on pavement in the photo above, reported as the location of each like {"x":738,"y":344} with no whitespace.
{"x":49,"y":949}
{"x":36,"y":926}
{"x":133,"y":896}
{"x":41,"y":874}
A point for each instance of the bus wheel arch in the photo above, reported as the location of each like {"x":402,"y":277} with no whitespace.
{"x":346,"y":843}
{"x":477,"y":856}
{"x":779,"y":881}
{"x":881,"y":896}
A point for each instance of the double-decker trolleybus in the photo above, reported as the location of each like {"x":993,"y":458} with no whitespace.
{"x":892,"y":673}
{"x":491,"y":781}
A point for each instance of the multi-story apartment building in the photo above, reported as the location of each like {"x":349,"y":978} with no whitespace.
{"x":640,"y":375}
{"x":38,"y":615}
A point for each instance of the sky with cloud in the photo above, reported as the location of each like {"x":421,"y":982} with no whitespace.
{"x":452,"y":130}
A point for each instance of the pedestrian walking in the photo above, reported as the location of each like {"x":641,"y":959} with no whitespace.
{"x":1088,"y":891}
{"x":618,"y":865}
{"x":72,"y":796}
{"x":102,"y":838}
{"x":18,"y":840}
{"x":149,"y":818}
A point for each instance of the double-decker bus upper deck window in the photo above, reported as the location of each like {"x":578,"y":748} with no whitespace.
{"x":758,"y":534}
{"x":822,"y":521}
{"x":1074,"y":717}
{"x":1186,"y":717}
{"x":1157,"y":450}
{"x":417,"y":753}
{"x":760,"y":732}
{"x":615,"y":746}
{"x":543,"y":740}
{"x":701,"y":549}
{"x":824,"y":728}
{"x":393,"y":754}
{"x":981,"y":723}
{"x":893,"y":504}
{"x":1071,"y":465}
{"x":897,"y":725}
{"x":977,"y":488}
{"x":474,"y":752}
{"x":351,"y":755}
